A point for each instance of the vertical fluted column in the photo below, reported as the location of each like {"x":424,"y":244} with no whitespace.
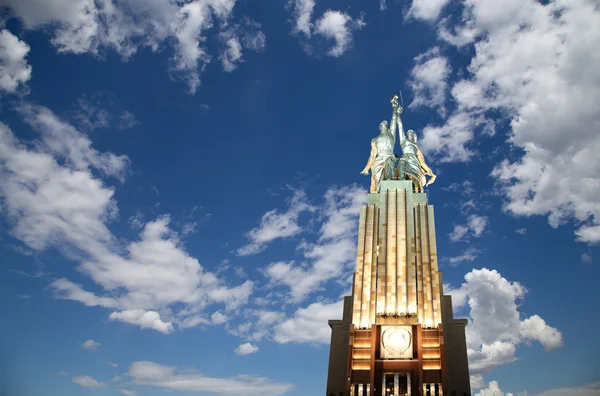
{"x":372,"y":286}
{"x":411,"y":259}
{"x":401,"y":256}
{"x":368,"y":263}
{"x":391,"y":275}
{"x":382,"y":256}
{"x":360,"y":261}
{"x":437,"y":284}
{"x":419,"y":264}
{"x":426,"y":258}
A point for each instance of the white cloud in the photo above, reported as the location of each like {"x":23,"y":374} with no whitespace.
{"x":530,"y":65}
{"x":144,"y":319}
{"x":492,"y":390}
{"x":475,"y":226}
{"x":168,"y":377}
{"x":232,"y":54}
{"x":90,"y":345}
{"x":246,"y":349}
{"x":113,"y":365}
{"x":127,"y":120}
{"x":495,"y":327}
{"x":333,"y":25}
{"x":88,"y":26}
{"x":274,"y":225}
{"x":62,"y":373}
{"x":426,"y":9}
{"x":428,"y":80}
{"x":586,"y":258}
{"x":303,"y":10}
{"x":521,"y":231}
{"x":309,"y":325}
{"x":382,"y":5}
{"x":53,"y":196}
{"x":332,"y":254}
{"x":128,"y":392}
{"x":14,"y":70}
{"x":476,"y":381}
{"x":592,"y":389}
{"x":469,"y":254}
{"x":338,"y":26}
{"x":218,"y":318}
{"x":87,"y":381}
{"x":458,"y":232}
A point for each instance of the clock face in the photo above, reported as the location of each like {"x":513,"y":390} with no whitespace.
{"x":396,"y":341}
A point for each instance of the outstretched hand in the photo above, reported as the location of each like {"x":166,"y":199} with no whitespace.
{"x":431,"y":180}
{"x":364,"y":172}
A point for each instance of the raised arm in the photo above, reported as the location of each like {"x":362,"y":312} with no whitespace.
{"x":426,"y":169}
{"x":401,"y":133}
{"x":371,"y":158}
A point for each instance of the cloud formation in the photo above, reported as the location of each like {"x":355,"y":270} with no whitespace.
{"x":170,"y":378}
{"x":88,"y":26}
{"x":275,"y":225}
{"x":530,"y":65}
{"x":495,"y":326}
{"x":54,"y":195}
{"x":14,"y":70}
{"x":90,"y":345}
{"x":333,"y":25}
{"x":246,"y":349}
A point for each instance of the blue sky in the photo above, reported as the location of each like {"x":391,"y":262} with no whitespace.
{"x":180,"y":186}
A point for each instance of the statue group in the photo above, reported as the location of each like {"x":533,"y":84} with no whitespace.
{"x":382,"y":161}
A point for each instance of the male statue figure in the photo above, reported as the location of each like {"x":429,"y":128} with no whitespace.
{"x":382,"y":160}
{"x":412,"y":164}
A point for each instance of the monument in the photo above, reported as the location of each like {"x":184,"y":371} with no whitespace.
{"x":398,"y":336}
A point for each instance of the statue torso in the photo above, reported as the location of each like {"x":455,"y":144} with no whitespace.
{"x":409,"y":147}
{"x":385,"y":143}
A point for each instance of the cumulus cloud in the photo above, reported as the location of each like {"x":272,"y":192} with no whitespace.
{"x":429,"y":80}
{"x":332,"y":254}
{"x":54,"y":195}
{"x":170,"y":378}
{"x":495,"y":326}
{"x":88,"y":26}
{"x":592,"y":389}
{"x":426,"y":9}
{"x":475,"y":226}
{"x":274,"y":225}
{"x":469,"y":254}
{"x":332,"y":25}
{"x":14,"y":70}
{"x":90,"y":345}
{"x":144,"y":319}
{"x":246,"y":349}
{"x":338,"y":26}
{"x":87,"y":381}
{"x":530,"y":65}
{"x":492,"y":390}
{"x":309,"y":325}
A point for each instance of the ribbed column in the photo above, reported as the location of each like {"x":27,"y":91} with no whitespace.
{"x":419,"y":264}
{"x":372,"y":285}
{"x":367,"y":267}
{"x":360,"y":261}
{"x":382,"y":256}
{"x":401,"y":257}
{"x":425,"y":257}
{"x":411,"y":259}
{"x":391,"y":276}
{"x":437,"y":284}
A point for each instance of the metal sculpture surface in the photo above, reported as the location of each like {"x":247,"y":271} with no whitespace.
{"x":382,"y":161}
